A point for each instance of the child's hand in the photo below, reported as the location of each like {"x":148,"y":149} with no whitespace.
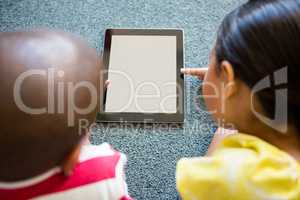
{"x":199,"y":72}
{"x":107,"y":82}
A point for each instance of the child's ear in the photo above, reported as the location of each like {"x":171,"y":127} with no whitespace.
{"x":70,"y":162}
{"x":228,"y":77}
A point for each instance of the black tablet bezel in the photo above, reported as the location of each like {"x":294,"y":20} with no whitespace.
{"x":177,"y":117}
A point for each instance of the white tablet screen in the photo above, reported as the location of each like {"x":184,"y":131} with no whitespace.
{"x":142,"y":72}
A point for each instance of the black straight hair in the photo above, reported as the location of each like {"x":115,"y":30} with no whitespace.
{"x":259,"y":38}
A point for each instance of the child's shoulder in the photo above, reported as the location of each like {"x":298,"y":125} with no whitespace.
{"x":103,"y":159}
{"x":242,"y":165}
{"x":103,"y":150}
{"x":248,"y":143}
{"x":99,"y":174}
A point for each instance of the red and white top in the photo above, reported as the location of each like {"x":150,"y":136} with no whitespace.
{"x":98,"y":175}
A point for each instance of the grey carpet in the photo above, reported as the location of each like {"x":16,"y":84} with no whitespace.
{"x":152,"y":151}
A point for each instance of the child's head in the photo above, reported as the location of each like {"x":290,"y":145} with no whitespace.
{"x":39,"y":71}
{"x":256,"y":42}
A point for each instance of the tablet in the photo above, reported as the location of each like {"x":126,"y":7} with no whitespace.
{"x":143,"y":69}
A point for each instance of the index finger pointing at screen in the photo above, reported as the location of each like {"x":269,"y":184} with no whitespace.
{"x":200,"y":72}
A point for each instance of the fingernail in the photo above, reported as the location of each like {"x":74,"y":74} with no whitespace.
{"x":182,"y":70}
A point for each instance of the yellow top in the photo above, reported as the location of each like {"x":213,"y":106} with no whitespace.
{"x":242,"y":167}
